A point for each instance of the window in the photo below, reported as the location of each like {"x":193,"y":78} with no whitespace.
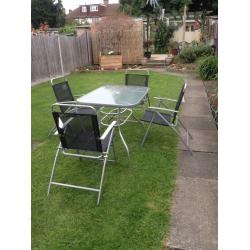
{"x":93,"y":8}
{"x":192,"y":27}
{"x":187,"y":28}
{"x":84,"y":9}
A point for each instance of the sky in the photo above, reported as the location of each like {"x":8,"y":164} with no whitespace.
{"x":73,"y":4}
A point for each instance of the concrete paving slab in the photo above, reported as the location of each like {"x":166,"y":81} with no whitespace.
{"x":195,"y":93}
{"x":203,"y":140}
{"x":201,"y":123}
{"x":195,"y":100}
{"x":198,"y":87}
{"x":200,"y":164}
{"x":196,"y":110}
{"x":194,"y":220}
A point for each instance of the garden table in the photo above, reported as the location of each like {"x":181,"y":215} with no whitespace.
{"x":120,"y":97}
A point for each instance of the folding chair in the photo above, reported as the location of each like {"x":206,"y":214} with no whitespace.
{"x":62,"y":93}
{"x":80,"y":131}
{"x":138,"y":78}
{"x":166,"y":117}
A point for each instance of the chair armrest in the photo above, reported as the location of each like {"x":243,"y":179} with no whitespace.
{"x":79,"y":95}
{"x":108,"y":129}
{"x":164,"y":98}
{"x":164,"y":109}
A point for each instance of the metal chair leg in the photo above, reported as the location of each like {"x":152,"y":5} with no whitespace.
{"x":51,"y":131}
{"x":103,"y":171}
{"x":185,"y":128}
{"x":53,"y":168}
{"x":185,"y":144}
{"x":146,"y":134}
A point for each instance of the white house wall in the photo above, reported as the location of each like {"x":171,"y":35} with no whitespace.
{"x":189,"y":35}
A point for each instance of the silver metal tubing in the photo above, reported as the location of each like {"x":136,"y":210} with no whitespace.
{"x":74,"y":186}
{"x":104,"y":166}
{"x":120,"y":133}
{"x":71,"y":104}
{"x":53,"y":168}
{"x":53,"y":130}
{"x":146,"y":134}
{"x":119,"y":122}
{"x":185,"y":129}
{"x":83,"y":156}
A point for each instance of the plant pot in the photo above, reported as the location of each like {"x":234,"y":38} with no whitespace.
{"x":111,"y":62}
{"x":147,"y":54}
{"x":174,"y":52}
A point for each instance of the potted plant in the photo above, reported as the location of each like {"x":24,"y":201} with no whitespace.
{"x":111,"y":60}
{"x":173,"y":48}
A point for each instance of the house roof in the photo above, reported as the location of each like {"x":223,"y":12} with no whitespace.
{"x":103,"y":11}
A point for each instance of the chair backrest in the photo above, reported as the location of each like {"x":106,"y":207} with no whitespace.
{"x":135,"y":79}
{"x":179,"y":101}
{"x":63,"y":93}
{"x":79,"y":129}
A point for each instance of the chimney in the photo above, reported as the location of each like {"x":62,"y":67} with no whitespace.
{"x":105,"y":2}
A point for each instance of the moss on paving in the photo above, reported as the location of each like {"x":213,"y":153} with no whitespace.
{"x":134,"y":212}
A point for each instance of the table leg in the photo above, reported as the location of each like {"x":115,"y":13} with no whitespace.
{"x":120,"y":133}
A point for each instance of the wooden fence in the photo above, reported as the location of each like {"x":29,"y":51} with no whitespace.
{"x":130,"y":44}
{"x":45,"y":55}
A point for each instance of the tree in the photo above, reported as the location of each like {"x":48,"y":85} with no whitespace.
{"x":162,"y":36}
{"x":47,"y":11}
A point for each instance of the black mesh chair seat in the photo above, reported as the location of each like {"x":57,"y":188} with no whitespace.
{"x":148,"y":115}
{"x":85,"y":140}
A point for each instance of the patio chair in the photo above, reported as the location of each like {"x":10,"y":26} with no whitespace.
{"x":62,"y":93}
{"x":165,"y":116}
{"x":80,"y":132}
{"x":137,"y":78}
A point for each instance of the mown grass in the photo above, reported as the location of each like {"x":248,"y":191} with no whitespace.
{"x":134,"y":212}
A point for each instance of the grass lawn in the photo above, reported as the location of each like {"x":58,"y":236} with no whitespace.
{"x":134,"y":211}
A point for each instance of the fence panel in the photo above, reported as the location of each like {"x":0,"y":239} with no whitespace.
{"x":130,"y":44}
{"x":45,"y":55}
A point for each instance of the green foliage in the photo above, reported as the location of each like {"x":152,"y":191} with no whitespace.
{"x":68,"y":29}
{"x":188,"y":55}
{"x":47,"y":11}
{"x":208,"y":68}
{"x":203,"y":50}
{"x":162,"y":36}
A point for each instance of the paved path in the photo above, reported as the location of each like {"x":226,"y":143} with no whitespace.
{"x":194,"y":209}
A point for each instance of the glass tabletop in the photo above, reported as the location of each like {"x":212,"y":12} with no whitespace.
{"x":115,"y":96}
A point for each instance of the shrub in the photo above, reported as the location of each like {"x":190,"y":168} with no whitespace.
{"x":187,"y":55}
{"x":208,"y":68}
{"x":203,"y":50}
{"x":162,"y":37}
